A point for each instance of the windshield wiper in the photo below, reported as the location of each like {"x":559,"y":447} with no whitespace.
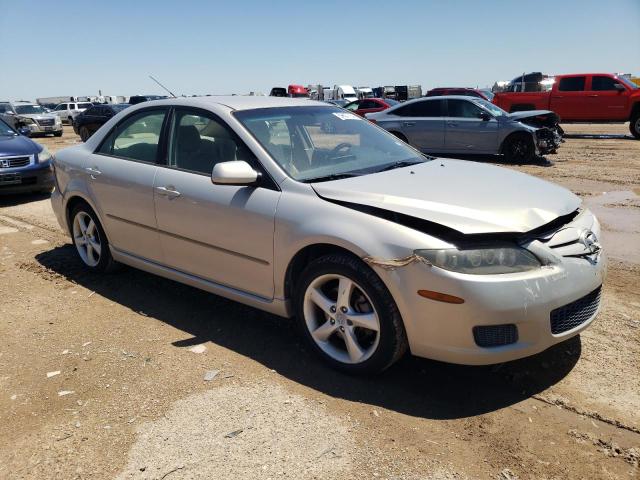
{"x":400,"y":164}
{"x":333,"y":176}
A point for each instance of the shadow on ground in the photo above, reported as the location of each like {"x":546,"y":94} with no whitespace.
{"x":10,"y":200}
{"x":414,"y":386}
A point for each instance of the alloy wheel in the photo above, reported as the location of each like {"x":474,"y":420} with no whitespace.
{"x":341,"y":318}
{"x":86,"y":238}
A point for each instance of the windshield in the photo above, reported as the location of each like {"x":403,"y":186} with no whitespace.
{"x":488,"y":93}
{"x":6,"y":130}
{"x":628,"y":83}
{"x":5,"y":108}
{"x":318,"y":143}
{"x":28,"y":109}
{"x":494,"y":109}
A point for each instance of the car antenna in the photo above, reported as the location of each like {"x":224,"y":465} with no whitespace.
{"x":170,"y":92}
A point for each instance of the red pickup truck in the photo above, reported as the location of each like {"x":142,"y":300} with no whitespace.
{"x":585,"y":97}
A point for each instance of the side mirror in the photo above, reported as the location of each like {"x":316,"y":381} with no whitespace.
{"x":237,"y":172}
{"x":619,"y":87}
{"x":484,"y":116}
{"x":24,"y":131}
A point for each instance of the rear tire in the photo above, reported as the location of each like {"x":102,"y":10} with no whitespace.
{"x":634,"y":124}
{"x":90,"y":239}
{"x":84,"y":134}
{"x":519,"y":148}
{"x":360,"y":332}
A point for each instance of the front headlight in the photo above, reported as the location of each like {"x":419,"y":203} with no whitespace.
{"x":482,"y":261}
{"x":44,"y":156}
{"x":26,"y":120}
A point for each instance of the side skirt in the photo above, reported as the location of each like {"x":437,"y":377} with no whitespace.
{"x":275,"y":306}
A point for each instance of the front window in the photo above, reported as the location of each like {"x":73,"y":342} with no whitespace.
{"x":85,"y":105}
{"x":6,"y":130}
{"x":5,"y":108}
{"x":494,"y":109}
{"x":324,"y":143}
{"x":628,"y":83}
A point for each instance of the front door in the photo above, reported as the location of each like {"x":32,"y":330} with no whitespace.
{"x":120,"y":176}
{"x":466,"y":131}
{"x":222,"y":233}
{"x":606,"y":102}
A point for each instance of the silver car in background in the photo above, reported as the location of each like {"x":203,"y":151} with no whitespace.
{"x":31,"y":116}
{"x":306,"y":210}
{"x":456,"y":124}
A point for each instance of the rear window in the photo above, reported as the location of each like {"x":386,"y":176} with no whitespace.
{"x":571,"y":84}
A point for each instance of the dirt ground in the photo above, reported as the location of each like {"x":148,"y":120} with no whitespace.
{"x":134,"y":376}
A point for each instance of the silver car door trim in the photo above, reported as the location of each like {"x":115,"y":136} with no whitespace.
{"x":190,"y":275}
{"x":197,"y":242}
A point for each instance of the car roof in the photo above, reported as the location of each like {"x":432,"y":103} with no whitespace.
{"x":239,"y":102}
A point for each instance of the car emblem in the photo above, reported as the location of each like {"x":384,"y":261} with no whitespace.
{"x":590,"y":241}
{"x":4,"y":163}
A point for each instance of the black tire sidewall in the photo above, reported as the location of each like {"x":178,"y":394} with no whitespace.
{"x":392,"y":340}
{"x":518,"y":138}
{"x":634,"y":126}
{"x":106,"y":260}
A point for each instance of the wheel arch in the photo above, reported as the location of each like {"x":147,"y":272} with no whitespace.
{"x":75,"y":199}
{"x":635,"y":109}
{"x":515,"y":134}
{"x":306,"y":255}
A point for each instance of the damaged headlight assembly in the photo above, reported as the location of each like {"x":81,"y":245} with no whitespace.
{"x":482,"y":261}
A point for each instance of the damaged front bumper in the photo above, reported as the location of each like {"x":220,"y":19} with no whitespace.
{"x":502,"y":317}
{"x":547,"y":140}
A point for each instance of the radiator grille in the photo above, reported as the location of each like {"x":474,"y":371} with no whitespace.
{"x":575,"y":313}
{"x":13,"y":162}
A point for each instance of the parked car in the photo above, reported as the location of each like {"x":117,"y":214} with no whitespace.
{"x":470,"y":125}
{"x":135,"y":99}
{"x":25,"y":166}
{"x":370,"y":105}
{"x":297,"y":91}
{"x":472,"y":92}
{"x":278,"y":92}
{"x":458,"y":261}
{"x":586,"y":97}
{"x":8,"y":114}
{"x":89,"y":121}
{"x":68,"y":111}
{"x":36,"y":119}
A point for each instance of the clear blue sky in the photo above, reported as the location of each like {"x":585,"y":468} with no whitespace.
{"x":62,"y":47}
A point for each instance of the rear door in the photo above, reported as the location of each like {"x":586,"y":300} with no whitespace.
{"x":605,"y":101}
{"x":466,"y":131}
{"x":368,"y":106}
{"x":120,"y":177}
{"x":222,"y":233}
{"x":422,"y":122}
{"x":568,"y":98}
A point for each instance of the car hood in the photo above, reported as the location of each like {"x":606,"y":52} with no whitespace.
{"x":469,"y":197}
{"x":36,"y":116}
{"x":531,"y":114}
{"x":17,"y":145}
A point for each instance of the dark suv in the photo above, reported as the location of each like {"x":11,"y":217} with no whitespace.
{"x":89,"y":121}
{"x":25,"y":166}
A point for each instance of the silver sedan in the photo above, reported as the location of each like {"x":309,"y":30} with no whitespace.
{"x":469,"y":125}
{"x":306,"y":210}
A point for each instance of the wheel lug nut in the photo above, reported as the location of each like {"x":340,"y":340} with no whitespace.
{"x":333,"y":309}
{"x":343,"y":309}
{"x":332,"y":321}
{"x":342,"y":329}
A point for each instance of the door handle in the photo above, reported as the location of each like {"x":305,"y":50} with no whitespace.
{"x":168,"y":191}
{"x":592,"y":95}
{"x":93,"y":172}
{"x":408,"y":124}
{"x":452,"y":124}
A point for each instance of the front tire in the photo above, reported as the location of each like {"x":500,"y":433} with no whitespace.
{"x":519,"y":148}
{"x":634,"y":125}
{"x":57,"y":134}
{"x":90,"y":240}
{"x":347,"y":315}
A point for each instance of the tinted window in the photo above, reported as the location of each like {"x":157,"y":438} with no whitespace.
{"x":62,"y":106}
{"x":571,"y":84}
{"x":425,"y":108}
{"x":463,"y":109}
{"x":85,"y":105}
{"x":603,"y":83}
{"x":5,"y":107}
{"x":353,"y":106}
{"x":93,"y":111}
{"x":199,"y":141}
{"x":368,"y":104}
{"x":136,"y":138}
